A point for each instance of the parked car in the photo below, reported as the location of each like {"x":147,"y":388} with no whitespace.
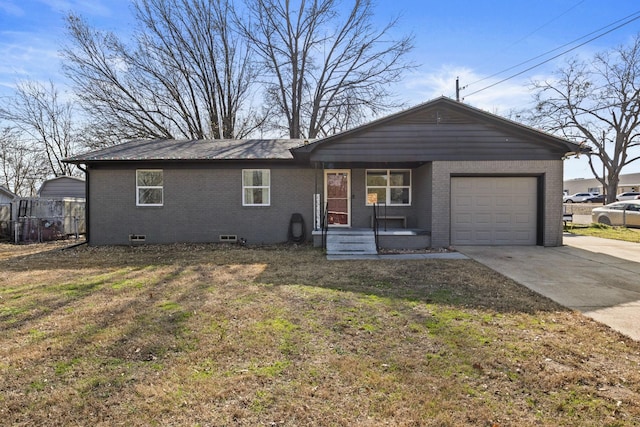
{"x":598,"y":198}
{"x":577,"y":198}
{"x":628,"y":195}
{"x":626,"y":213}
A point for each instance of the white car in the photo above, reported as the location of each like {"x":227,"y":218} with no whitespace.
{"x":625,"y":213}
{"x":628,"y":195}
{"x":577,"y":198}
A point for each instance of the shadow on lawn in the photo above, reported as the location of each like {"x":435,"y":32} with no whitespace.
{"x":463,"y":283}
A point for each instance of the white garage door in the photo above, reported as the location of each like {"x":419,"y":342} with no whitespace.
{"x":493,"y":211}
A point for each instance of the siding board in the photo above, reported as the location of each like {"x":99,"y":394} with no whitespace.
{"x":438,"y":133}
{"x":63,"y":186}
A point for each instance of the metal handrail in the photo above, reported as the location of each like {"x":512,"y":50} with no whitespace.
{"x":376,"y":226}
{"x":325,"y":225}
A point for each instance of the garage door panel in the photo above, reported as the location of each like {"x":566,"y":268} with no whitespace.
{"x":463,"y":204}
{"x":481,"y":218}
{"x":462,"y":185}
{"x":522,"y":185}
{"x":524,"y":203}
{"x":493,"y":210}
{"x":464,"y":218}
{"x":523,"y":218}
{"x":524,"y":235}
{"x":463,"y":236}
{"x":505,"y":186}
{"x":503,"y":200}
{"x":481,"y":186}
{"x":503,"y":218}
{"x":503,"y":235}
{"x":500,"y":239}
{"x":482,"y":236}
{"x":480,"y":202}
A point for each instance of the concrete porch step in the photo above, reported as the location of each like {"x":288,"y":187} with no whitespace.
{"x":351,"y":242}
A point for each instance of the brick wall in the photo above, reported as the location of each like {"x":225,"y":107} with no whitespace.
{"x":200,"y":204}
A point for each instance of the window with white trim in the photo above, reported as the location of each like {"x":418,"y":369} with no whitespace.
{"x":149,"y":187}
{"x":256,"y":187}
{"x":389,"y":186}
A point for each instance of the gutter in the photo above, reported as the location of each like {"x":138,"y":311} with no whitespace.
{"x":87,"y":204}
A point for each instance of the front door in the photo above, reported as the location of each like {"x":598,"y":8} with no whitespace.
{"x":337,"y":188}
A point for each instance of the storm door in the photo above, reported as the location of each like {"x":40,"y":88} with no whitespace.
{"x":337,"y":189}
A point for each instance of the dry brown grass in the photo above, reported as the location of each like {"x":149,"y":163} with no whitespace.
{"x":219,"y":336}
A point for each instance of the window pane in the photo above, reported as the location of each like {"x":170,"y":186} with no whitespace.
{"x":259,"y":178}
{"x":377,"y":194}
{"x":248,"y":178}
{"x":256,"y":178}
{"x":400,"y":178}
{"x":150,"y":196}
{"x":149,"y":178}
{"x":377,"y":178}
{"x":399,"y":196}
{"x":337,"y":186}
{"x":256,"y":196}
{"x":249,"y":196}
{"x":389,"y":186}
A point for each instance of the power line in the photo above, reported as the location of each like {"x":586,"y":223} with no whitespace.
{"x":558,"y":55}
{"x":543,"y":54}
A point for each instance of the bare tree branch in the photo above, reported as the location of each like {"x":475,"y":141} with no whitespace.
{"x":325,"y":72}
{"x":187,"y":74}
{"x":37,"y":111}
{"x":598,"y":101}
{"x":23,"y":167}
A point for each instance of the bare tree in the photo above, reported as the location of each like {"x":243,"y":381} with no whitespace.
{"x":22,"y":167}
{"x":38,"y":112}
{"x":187,"y":74}
{"x":598,"y":101}
{"x":326,"y":71}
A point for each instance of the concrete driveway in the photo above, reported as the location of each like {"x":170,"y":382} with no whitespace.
{"x":599,"y":277}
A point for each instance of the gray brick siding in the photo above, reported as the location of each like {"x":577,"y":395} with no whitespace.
{"x":200,"y":204}
{"x":549,"y":170}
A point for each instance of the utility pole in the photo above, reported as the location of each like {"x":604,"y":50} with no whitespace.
{"x":458,"y":89}
{"x":604,"y":179}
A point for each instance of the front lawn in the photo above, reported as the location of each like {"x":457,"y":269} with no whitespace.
{"x":216,"y":335}
{"x":606,"y":232}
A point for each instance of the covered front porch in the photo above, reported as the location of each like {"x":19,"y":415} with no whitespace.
{"x":386,"y":207}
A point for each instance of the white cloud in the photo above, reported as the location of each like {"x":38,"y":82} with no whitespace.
{"x":500,"y":99}
{"x":94,"y":7}
{"x":11,"y":8}
{"x":27,"y":57}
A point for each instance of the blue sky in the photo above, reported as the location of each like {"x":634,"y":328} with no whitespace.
{"x":470,"y":39}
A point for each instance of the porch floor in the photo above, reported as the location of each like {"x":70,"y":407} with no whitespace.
{"x":388,"y":232}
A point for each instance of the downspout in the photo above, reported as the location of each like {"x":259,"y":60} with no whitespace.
{"x":316,"y":209}
{"x":86,"y":202}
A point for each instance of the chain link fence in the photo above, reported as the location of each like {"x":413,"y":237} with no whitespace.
{"x":42,"y":220}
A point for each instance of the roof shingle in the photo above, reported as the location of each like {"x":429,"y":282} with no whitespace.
{"x":216,"y":149}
